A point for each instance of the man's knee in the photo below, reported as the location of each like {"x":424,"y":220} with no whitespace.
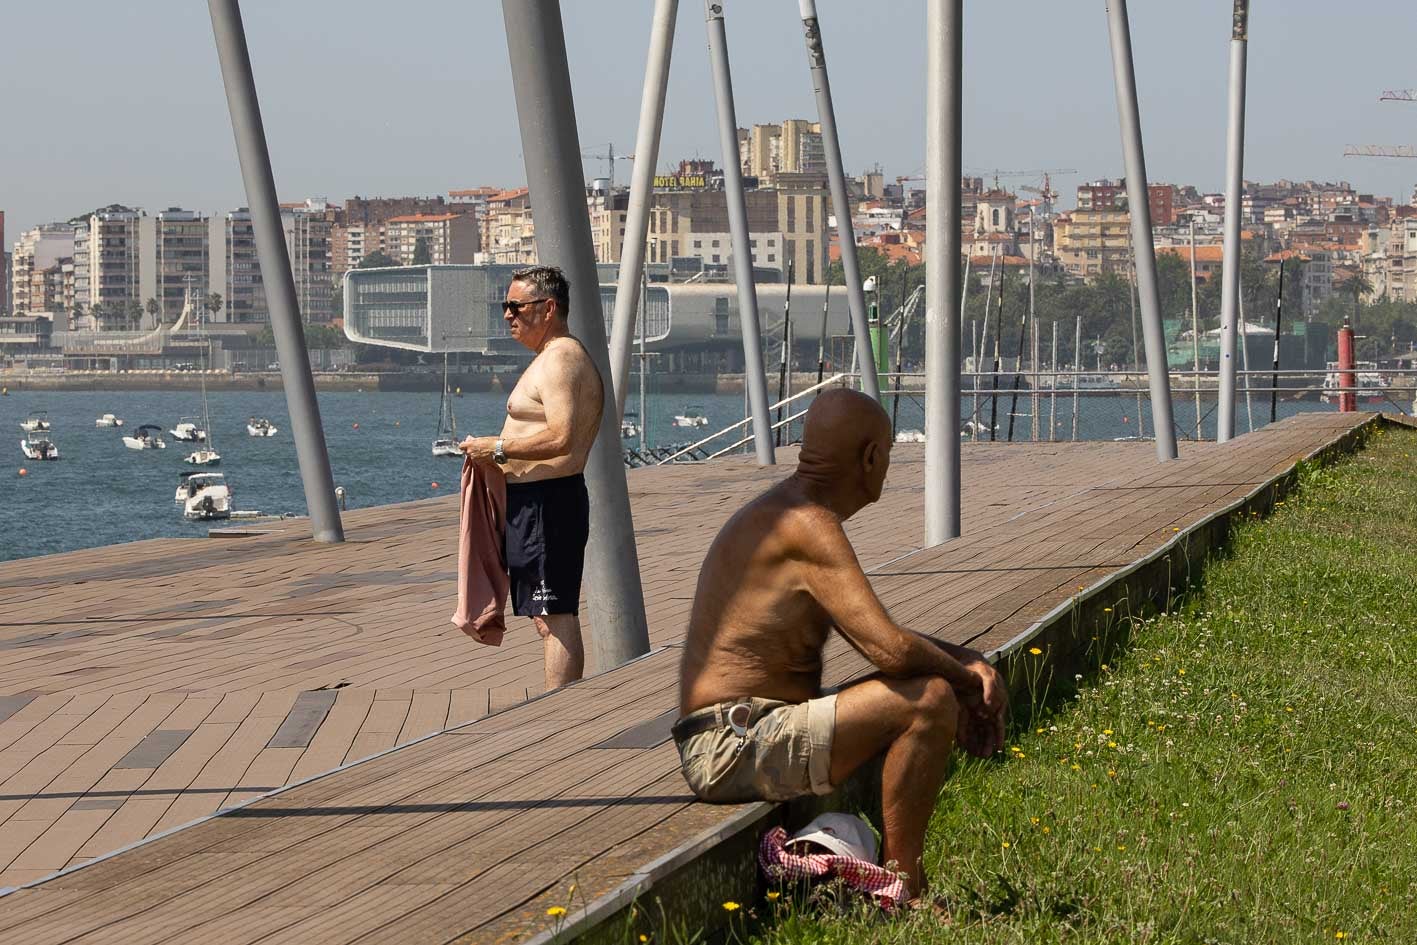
{"x":557,"y":625}
{"x":935,"y":705}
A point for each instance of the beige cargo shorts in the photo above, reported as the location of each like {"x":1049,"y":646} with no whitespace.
{"x":776,"y":750}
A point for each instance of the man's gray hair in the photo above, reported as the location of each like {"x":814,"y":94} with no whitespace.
{"x":549,"y":282}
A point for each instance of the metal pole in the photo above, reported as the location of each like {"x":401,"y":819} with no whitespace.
{"x":1077,"y":367}
{"x":1195,"y":332}
{"x":1278,"y":319}
{"x":836,"y":176}
{"x":944,"y":83}
{"x":1143,"y":251}
{"x":984,"y":334}
{"x":1053,"y":388}
{"x":998,"y":333}
{"x":271,"y":252}
{"x":1234,"y":194}
{"x":546,"y":116}
{"x":1136,"y":358}
{"x":754,"y":377}
{"x":822,"y":338}
{"x":644,"y":365}
{"x":632,"y":255}
{"x":782,"y":366}
{"x":1245,"y":363}
{"x":1032,"y":321}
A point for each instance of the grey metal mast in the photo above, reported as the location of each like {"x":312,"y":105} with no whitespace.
{"x":632,"y":255}
{"x":546,"y":115}
{"x":836,"y":175}
{"x":1143,"y":250}
{"x":944,"y":84}
{"x":754,"y":372}
{"x":1032,"y":321}
{"x":1234,"y":194}
{"x":1195,"y":333}
{"x":299,"y":383}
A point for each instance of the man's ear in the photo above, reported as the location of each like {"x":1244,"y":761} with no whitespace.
{"x":871,"y":455}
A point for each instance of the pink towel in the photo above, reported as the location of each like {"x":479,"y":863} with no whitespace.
{"x":483,"y":584}
{"x":780,"y":864}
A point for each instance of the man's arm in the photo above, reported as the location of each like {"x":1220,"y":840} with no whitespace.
{"x":833,"y":576}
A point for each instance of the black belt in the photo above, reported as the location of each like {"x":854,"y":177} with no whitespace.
{"x":689,"y":726}
{"x":713,"y":717}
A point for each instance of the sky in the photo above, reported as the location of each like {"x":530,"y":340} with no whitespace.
{"x":122,"y":102}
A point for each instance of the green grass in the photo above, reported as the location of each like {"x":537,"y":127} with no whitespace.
{"x":1244,"y":772}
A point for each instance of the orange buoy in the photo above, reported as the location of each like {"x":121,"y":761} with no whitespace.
{"x":24,"y":471}
{"x":435,"y":484}
{"x":356,"y":426}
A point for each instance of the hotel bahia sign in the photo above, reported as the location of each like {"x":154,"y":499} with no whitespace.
{"x":680,"y":182}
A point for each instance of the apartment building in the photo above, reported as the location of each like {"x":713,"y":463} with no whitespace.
{"x":1089,"y":243}
{"x":183,"y":260}
{"x":1389,"y":260}
{"x":358,"y":229}
{"x":307,"y":230}
{"x":107,"y":258}
{"x":447,"y":237}
{"x":793,"y":147}
{"x":1112,"y":195}
{"x":508,"y":234}
{"x":607,"y":233}
{"x":715,"y":250}
{"x":35,"y":252}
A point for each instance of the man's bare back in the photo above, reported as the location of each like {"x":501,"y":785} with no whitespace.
{"x":562,"y":373}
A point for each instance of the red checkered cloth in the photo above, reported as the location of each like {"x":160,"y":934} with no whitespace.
{"x":779,"y":864}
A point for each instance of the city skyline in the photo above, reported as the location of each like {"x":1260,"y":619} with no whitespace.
{"x":162,"y":137}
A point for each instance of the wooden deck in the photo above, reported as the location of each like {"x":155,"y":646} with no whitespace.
{"x":152,"y":684}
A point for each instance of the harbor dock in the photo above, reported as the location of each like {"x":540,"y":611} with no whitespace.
{"x":254,"y":737}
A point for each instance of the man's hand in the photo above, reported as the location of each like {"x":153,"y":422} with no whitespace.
{"x":981,"y":723}
{"x":479,"y":448}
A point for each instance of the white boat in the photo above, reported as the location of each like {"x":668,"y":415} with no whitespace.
{"x":37,"y":422}
{"x":1372,"y":386}
{"x":910,"y":436}
{"x":692,"y":417}
{"x":260,"y":426}
{"x":204,"y":496}
{"x":205,"y":456}
{"x":445,"y":442}
{"x":1087,"y":382}
{"x":146,"y":437}
{"x":971,"y":427}
{"x":630,"y":426}
{"x":108,"y":420}
{"x":38,"y":446}
{"x":188,"y":432}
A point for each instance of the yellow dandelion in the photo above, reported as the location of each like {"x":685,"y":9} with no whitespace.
{"x":1046,"y":830}
{"x":1121,"y":848}
{"x":1106,"y":731}
{"x":1096,"y":849}
{"x":1111,"y":773}
{"x":1340,"y":934}
{"x":1106,"y":610}
{"x":773,"y":895}
{"x":1006,"y":844}
{"x":1181,"y":672}
{"x":1033,"y":820}
{"x":1150,"y":723}
{"x":731,"y":906}
{"x":1035,"y":651}
{"x":556,"y":911}
{"x":644,"y":937}
{"x":1111,"y":744}
{"x":1077,"y":767}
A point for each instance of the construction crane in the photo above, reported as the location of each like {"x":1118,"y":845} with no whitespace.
{"x":1398,"y":95}
{"x":1046,"y":173}
{"x":609,"y":156}
{"x":1046,"y":192}
{"x":1380,"y":150}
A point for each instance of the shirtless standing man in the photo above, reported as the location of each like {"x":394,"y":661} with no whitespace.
{"x":552,"y":418}
{"x":779,"y":577}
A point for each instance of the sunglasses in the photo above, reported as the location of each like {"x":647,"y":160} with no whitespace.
{"x":515,"y":307}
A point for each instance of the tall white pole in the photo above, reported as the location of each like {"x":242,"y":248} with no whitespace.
{"x":551,"y":150}
{"x":1077,"y":367}
{"x":1032,"y":321}
{"x":1053,"y":396}
{"x":1234,"y":195}
{"x":632,"y":254}
{"x":1139,"y":209}
{"x":841,"y":204}
{"x":944,"y":83}
{"x":1195,"y":332}
{"x":754,"y":376}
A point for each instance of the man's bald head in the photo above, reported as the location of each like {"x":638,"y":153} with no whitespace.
{"x":846,"y":442}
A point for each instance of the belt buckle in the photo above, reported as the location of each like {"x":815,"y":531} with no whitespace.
{"x":739,"y":716}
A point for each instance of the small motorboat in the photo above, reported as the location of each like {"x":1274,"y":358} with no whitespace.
{"x":146,"y":437}
{"x":188,"y":432}
{"x":204,"y":456}
{"x":38,"y":446}
{"x":910,"y":436}
{"x":691,"y":417}
{"x":445,"y":446}
{"x":260,"y":426}
{"x":108,"y":420}
{"x":37,"y":422}
{"x":204,"y":496}
{"x":630,"y":426}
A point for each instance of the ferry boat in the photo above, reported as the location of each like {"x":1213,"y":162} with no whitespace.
{"x":204,"y":496}
{"x":146,"y":437}
{"x":1372,"y":386}
{"x":39,"y":446}
{"x":260,"y":426}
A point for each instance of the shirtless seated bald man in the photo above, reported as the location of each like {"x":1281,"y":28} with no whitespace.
{"x":754,"y":723}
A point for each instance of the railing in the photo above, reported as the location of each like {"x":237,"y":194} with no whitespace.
{"x":699,"y":451}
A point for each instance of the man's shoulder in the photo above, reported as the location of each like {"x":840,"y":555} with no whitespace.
{"x":806,"y":527}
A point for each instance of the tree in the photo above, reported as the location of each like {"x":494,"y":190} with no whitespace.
{"x":377,"y":260}
{"x":75,"y":314}
{"x":212,"y":303}
{"x":99,"y":313}
{"x":422,"y":255}
{"x":152,"y":307}
{"x":132,"y":314}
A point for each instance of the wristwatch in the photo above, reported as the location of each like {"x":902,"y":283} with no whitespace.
{"x":498,"y":455}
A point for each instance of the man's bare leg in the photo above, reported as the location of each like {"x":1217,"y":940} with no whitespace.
{"x":561,"y":644}
{"x":914,"y":722}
